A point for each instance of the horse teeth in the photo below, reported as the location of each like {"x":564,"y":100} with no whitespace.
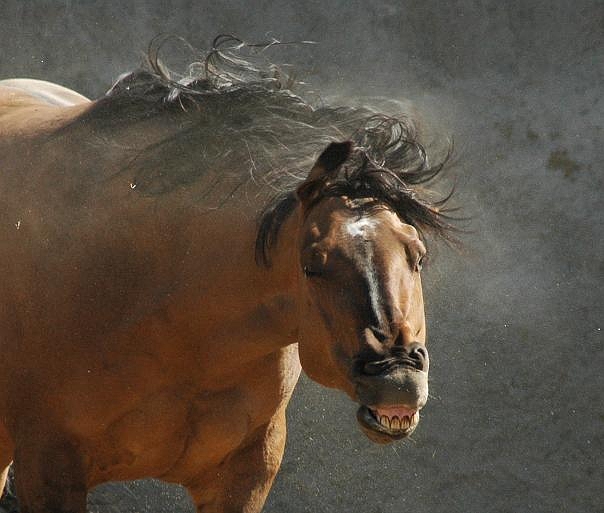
{"x":396,"y":423}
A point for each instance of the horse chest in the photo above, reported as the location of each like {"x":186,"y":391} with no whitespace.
{"x":176,"y":436}
{"x":221,"y":422}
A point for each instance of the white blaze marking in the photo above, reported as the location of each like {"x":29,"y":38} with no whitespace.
{"x":364,"y":228}
{"x":360,"y":227}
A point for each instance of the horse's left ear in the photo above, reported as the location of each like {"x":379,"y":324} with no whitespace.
{"x":326,"y":165}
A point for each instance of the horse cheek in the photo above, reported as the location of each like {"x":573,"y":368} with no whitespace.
{"x":313,"y":346}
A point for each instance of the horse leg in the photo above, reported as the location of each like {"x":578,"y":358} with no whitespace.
{"x":245,"y":478}
{"x":50,"y":476}
{"x":3,"y":478}
{"x":8,"y":499}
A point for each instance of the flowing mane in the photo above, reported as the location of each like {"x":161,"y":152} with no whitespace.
{"x":239,"y":120}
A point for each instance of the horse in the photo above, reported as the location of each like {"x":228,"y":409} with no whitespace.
{"x":175,"y":252}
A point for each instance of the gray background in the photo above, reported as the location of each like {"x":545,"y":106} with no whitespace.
{"x":516,"y":418}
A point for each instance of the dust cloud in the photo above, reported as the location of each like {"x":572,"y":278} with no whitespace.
{"x":515,"y":319}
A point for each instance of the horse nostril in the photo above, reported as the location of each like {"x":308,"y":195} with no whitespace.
{"x":418,"y":353}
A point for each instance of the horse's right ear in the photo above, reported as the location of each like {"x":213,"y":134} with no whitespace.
{"x":326,"y":165}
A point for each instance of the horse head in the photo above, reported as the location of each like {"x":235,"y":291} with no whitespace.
{"x":363,"y":328}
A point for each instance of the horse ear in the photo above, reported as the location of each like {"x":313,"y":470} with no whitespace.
{"x":326,"y":165}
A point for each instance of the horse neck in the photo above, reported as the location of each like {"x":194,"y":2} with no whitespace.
{"x":284,"y":261}
{"x":233,"y":287}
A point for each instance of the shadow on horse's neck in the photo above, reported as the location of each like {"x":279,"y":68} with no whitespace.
{"x":266,"y":298}
{"x":285,"y":259}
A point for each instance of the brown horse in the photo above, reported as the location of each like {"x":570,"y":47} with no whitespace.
{"x":154,"y":300}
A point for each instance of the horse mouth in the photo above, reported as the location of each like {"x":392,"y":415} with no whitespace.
{"x":387,"y":424}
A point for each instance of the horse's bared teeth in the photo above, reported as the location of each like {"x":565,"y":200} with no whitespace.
{"x":385,"y":421}
{"x":396,"y":423}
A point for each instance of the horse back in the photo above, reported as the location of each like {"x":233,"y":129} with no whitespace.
{"x":30,"y":106}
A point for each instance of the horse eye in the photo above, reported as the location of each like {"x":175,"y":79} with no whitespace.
{"x":309,"y":272}
{"x":420,"y":263}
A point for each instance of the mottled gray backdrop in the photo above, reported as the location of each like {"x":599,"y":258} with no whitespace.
{"x":516,"y":420}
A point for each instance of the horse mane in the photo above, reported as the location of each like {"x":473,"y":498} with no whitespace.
{"x":239,"y":113}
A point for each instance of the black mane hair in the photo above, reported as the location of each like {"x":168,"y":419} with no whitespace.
{"x":241,"y":112}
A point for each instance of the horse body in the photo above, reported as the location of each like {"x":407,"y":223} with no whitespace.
{"x":140,"y":336}
{"x":133,"y":336}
